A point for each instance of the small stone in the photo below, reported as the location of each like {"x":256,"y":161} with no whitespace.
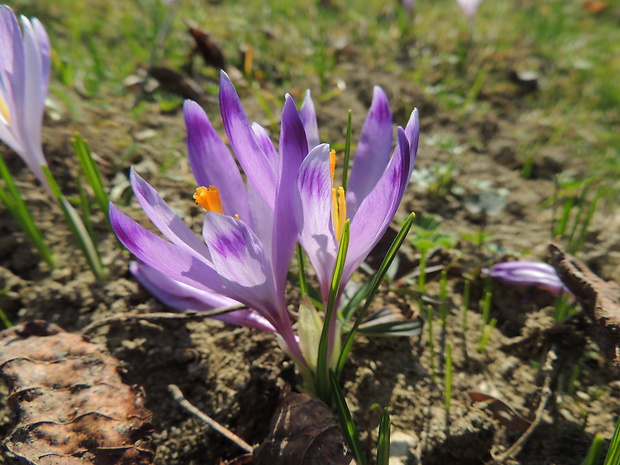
{"x":402,"y":444}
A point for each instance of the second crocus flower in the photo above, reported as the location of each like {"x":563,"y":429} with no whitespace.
{"x":25,"y":65}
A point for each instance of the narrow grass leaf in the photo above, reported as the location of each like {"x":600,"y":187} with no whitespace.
{"x":347,"y":153}
{"x":595,"y":451}
{"x":321,"y":375}
{"x":301,"y":265}
{"x":613,"y":453}
{"x":383,"y":446}
{"x":448,"y":378}
{"x":92,"y":173}
{"x":349,"y":430}
{"x":373,"y":288}
{"x":85,"y":242}
{"x":19,"y":211}
{"x":5,"y":320}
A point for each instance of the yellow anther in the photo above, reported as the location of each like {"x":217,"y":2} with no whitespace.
{"x":339,"y":210}
{"x":209,"y":199}
{"x":332,"y":164}
{"x":4,"y":111}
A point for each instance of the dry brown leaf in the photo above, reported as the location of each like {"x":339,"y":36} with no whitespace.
{"x":304,"y":431}
{"x":71,"y":404}
{"x":600,"y":299}
{"x":210,"y":52}
{"x":501,"y":411}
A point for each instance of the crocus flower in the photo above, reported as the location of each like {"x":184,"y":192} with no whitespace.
{"x":249,"y":229}
{"x":24,"y":78}
{"x":376,"y":187}
{"x":408,"y":6}
{"x":469,"y":7}
{"x":377,"y":183}
{"x":536,"y":274}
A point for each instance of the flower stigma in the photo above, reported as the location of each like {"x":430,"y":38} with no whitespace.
{"x":209,"y":199}
{"x":339,"y":202}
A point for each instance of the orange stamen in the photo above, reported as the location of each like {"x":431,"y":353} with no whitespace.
{"x":332,"y":164}
{"x":209,"y":199}
{"x":339,"y":210}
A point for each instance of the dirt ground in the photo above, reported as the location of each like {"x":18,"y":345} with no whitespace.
{"x":235,"y":374}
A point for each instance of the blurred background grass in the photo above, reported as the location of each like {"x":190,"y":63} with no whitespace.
{"x":567,"y":50}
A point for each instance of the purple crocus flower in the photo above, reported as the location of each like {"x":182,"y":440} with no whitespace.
{"x":377,"y":183}
{"x":376,"y":187}
{"x":536,"y":274}
{"x":243,"y":258}
{"x":24,"y":78}
{"x":469,"y":7}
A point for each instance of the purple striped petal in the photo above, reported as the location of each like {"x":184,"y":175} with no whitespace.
{"x":240,"y":260}
{"x":412,"y":131}
{"x":164,"y":218}
{"x":293,"y":149}
{"x":183,"y":297}
{"x":252,"y":159}
{"x":212,"y":162}
{"x":308,"y":117}
{"x":175,"y":262}
{"x":313,"y":209}
{"x":262,"y":137}
{"x":378,"y":208}
{"x":528,"y":274}
{"x":45,"y":51}
{"x":373,"y":151}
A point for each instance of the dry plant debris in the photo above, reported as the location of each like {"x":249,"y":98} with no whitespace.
{"x":71,"y":404}
{"x":304,"y":431}
{"x":600,"y":299}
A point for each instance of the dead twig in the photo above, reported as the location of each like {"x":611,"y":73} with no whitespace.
{"x":545,"y":394}
{"x":161,"y":316}
{"x":183,"y":402}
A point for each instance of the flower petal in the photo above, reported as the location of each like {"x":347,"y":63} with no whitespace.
{"x":373,"y":151}
{"x":412,"y":131}
{"x":262,"y":137}
{"x":212,"y":162}
{"x":293,"y":149}
{"x":308,"y":118}
{"x":252,"y":159}
{"x":377,"y":210}
{"x":239,"y":259}
{"x":313,"y":210}
{"x":183,"y":297}
{"x":528,"y":274}
{"x":175,"y":262}
{"x":165,"y":219}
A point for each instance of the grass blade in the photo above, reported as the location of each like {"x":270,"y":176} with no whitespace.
{"x":373,"y":288}
{"x":613,"y":454}
{"x":595,"y":451}
{"x":85,"y":242}
{"x":383,"y":446}
{"x":323,"y":390}
{"x":19,"y":211}
{"x":347,"y":153}
{"x":349,"y":431}
{"x":92,"y":173}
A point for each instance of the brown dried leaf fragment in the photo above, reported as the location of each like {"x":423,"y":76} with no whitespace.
{"x":72,"y":406}
{"x":501,"y":411}
{"x":304,"y":431}
{"x":600,"y":299}
{"x":206,"y":47}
